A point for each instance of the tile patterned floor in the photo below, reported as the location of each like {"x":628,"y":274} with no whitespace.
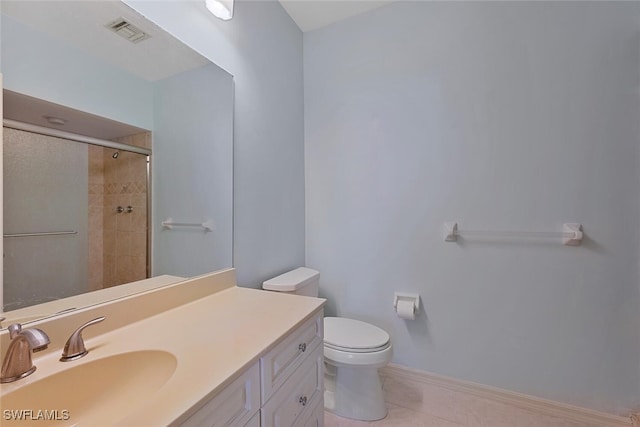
{"x":397,"y":416}
{"x":416,"y":404}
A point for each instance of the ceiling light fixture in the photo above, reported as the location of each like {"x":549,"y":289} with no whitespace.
{"x":222,"y":9}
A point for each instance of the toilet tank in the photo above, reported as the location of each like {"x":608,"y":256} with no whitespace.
{"x":301,"y":281}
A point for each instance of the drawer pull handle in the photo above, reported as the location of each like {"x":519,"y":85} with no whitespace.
{"x":303,"y":400}
{"x":302,"y":347}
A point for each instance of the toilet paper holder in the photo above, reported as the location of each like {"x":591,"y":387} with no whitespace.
{"x":409,"y":297}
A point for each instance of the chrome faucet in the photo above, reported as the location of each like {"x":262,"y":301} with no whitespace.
{"x":17,"y":361}
{"x":74,"y":348}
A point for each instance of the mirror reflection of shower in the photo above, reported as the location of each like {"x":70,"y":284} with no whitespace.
{"x":63,"y":234}
{"x":118,"y":211}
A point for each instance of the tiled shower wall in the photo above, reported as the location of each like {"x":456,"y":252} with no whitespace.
{"x":118,"y":240}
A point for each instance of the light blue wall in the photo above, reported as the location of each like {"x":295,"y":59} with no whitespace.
{"x":192,"y":171}
{"x":498,"y":115}
{"x":31,"y":60}
{"x":262,"y":48}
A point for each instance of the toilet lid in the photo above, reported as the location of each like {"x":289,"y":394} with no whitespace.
{"x":354,"y":335}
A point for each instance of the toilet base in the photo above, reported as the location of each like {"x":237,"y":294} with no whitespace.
{"x":354,"y":392}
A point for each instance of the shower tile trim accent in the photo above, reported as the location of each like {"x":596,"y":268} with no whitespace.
{"x":523,"y":401}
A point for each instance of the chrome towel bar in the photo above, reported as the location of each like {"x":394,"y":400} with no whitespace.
{"x":43,"y":233}
{"x":571,"y":233}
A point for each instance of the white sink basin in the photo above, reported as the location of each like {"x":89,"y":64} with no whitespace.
{"x":99,"y":392}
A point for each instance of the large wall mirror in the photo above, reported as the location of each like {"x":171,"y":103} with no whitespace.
{"x":112,"y":128}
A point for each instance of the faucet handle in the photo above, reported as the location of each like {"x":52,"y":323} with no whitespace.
{"x":14,"y":329}
{"x":74,"y":348}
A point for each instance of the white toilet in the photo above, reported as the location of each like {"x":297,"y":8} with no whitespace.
{"x":353,"y":352}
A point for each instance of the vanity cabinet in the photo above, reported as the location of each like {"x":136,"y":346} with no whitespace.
{"x":292,"y":376}
{"x":315,"y":418}
{"x":283,"y":389}
{"x":293,"y":404}
{"x":236,"y":405}
{"x":254,"y":421}
{"x":278,"y":364}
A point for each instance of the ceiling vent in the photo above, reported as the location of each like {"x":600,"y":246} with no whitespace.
{"x":127,"y":30}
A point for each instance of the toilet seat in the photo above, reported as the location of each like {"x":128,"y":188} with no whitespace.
{"x":356,"y":350}
{"x":354,"y":336}
{"x":354,"y":343}
{"x":374,"y":359}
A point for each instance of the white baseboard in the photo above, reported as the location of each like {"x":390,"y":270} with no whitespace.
{"x":532,"y":403}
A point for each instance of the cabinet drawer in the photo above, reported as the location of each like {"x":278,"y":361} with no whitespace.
{"x":315,"y":418}
{"x":281,"y":361}
{"x":302,"y":392}
{"x":233,"y":406}
{"x":255,"y":421}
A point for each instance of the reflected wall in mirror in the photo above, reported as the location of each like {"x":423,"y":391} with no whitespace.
{"x":156,"y":93}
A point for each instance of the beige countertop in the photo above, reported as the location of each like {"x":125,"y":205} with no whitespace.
{"x":213,"y":338}
{"x":49,"y":308}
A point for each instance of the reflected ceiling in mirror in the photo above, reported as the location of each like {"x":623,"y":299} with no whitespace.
{"x":85,"y":25}
{"x":27,"y":109}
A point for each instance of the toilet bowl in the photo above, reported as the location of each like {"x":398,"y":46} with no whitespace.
{"x":353,"y":353}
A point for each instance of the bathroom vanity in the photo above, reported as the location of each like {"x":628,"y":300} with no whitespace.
{"x":199,"y":352}
{"x":283,"y":389}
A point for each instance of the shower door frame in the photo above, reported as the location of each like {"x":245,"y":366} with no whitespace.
{"x":41,"y":130}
